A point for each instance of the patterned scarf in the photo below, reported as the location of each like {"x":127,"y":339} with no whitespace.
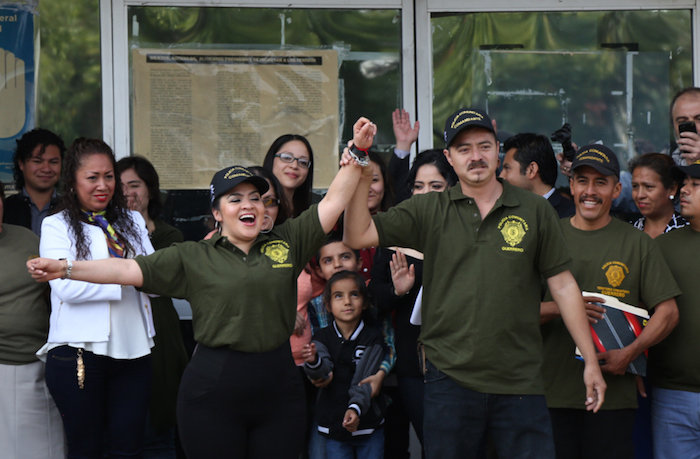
{"x":114,"y":244}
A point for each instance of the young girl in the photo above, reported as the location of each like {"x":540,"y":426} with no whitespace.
{"x":345,"y":411}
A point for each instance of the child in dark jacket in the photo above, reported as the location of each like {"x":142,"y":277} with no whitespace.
{"x":345,"y":411}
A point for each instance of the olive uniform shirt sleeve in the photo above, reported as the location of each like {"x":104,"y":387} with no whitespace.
{"x":164,"y":272}
{"x":401,"y":225}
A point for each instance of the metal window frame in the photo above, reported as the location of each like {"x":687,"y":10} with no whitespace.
{"x":415,"y":28}
{"x":115,"y":62}
{"x":425,"y":8}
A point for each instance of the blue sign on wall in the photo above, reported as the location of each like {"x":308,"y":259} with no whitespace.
{"x":17,"y":88}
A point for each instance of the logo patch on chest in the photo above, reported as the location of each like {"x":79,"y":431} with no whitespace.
{"x":513,"y":230}
{"x":278,"y":252}
{"x":615,"y":274}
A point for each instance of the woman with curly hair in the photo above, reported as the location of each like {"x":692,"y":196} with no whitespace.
{"x":98,"y":362}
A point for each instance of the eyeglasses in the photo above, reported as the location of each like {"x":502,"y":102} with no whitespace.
{"x":289,"y":158}
{"x":271,"y":202}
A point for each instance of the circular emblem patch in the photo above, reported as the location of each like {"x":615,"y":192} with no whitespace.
{"x":513,"y":232}
{"x":277,"y":252}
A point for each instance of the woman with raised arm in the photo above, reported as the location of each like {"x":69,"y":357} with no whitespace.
{"x":241,"y":395}
{"x":98,"y":362}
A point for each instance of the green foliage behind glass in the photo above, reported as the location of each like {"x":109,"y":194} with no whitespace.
{"x":70,"y":85}
{"x":585,"y":54}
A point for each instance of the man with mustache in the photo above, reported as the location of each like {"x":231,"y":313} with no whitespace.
{"x":486,"y":246}
{"x":613,"y":258}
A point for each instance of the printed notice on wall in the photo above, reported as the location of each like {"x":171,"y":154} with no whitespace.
{"x":198,"y":111}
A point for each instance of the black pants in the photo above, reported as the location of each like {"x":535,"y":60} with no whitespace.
{"x":241,"y":405}
{"x":107,"y":417}
{"x":581,"y":434}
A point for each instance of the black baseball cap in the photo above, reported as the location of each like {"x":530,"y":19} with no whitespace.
{"x":466,"y":118}
{"x":693,"y":170}
{"x":232,"y":176}
{"x":599,"y":157}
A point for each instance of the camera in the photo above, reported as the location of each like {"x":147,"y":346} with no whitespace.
{"x":563,"y":136}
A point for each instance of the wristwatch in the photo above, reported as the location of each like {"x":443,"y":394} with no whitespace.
{"x":360,"y":155}
{"x":69,"y":268}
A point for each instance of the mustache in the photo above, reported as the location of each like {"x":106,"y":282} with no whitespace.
{"x":479,"y":163}
{"x":586,"y":197}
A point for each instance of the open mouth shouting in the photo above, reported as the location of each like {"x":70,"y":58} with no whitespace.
{"x":248,"y":219}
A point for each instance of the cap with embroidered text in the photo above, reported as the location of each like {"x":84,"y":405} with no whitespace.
{"x":232,"y":176}
{"x":466,"y":118}
{"x":599,"y":157}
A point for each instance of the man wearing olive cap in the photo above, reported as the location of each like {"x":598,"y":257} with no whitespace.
{"x":613,"y":258}
{"x":487,"y":245}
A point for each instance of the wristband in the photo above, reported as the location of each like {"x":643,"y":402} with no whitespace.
{"x":69,"y":268}
{"x":360,"y":155}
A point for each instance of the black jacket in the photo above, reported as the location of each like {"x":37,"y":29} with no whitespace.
{"x":351,"y":361}
{"x":18,"y":210}
{"x":564,"y":207}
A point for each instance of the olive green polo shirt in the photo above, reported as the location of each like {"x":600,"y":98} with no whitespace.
{"x":617,"y":260}
{"x":482,"y":282}
{"x":673,"y":363}
{"x":24,"y":312}
{"x":244,"y":301}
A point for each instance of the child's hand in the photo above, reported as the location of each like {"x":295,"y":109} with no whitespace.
{"x":300,"y":324}
{"x":375,"y":381}
{"x":363,"y":132}
{"x":403,"y":276}
{"x":351,"y":420}
{"x":308,"y":351}
{"x":323,"y":382}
